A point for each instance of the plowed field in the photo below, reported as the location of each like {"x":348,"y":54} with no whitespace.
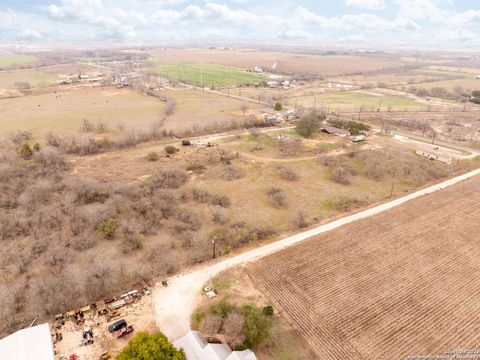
{"x":405,"y":282}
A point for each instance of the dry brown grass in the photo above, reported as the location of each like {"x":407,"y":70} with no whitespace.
{"x":401,"y":283}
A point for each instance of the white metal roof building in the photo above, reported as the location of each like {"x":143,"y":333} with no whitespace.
{"x":196,"y":348}
{"x":27,"y":344}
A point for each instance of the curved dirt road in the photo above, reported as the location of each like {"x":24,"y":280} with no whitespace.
{"x":174,"y":305}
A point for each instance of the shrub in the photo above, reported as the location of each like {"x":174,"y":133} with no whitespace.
{"x":344,"y":203}
{"x":299,"y":222}
{"x":268,"y":310}
{"x":277,"y":197}
{"x":341,"y":175}
{"x":25,"y":151}
{"x":257,"y":326}
{"x":354,"y":127}
{"x":150,"y":346}
{"x":132,"y":242}
{"x":19,"y":137}
{"x":152,"y":156}
{"x":107,"y":228}
{"x":170,"y":179}
{"x":170,"y":149}
{"x":308,"y":126}
{"x":287,"y":173}
{"x":232,"y":173}
{"x":278,"y":107}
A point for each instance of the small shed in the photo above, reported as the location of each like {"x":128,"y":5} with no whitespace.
{"x":101,"y":308}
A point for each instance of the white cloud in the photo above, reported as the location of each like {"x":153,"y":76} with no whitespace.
{"x":29,"y":34}
{"x":8,"y":18}
{"x":356,"y":21}
{"x":469,"y":18}
{"x":295,"y":35}
{"x":367,"y":4}
{"x":420,"y":9}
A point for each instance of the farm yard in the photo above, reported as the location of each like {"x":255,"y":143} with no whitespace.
{"x":402,"y":283}
{"x":210,"y":75}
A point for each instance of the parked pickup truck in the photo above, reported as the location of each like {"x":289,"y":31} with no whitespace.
{"x":117,"y":325}
{"x":124,"y":331}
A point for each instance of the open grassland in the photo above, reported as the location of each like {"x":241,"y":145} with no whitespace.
{"x":283,"y":62}
{"x":404,"y":282}
{"x":35,"y":78}
{"x":467,"y":84}
{"x":357,"y":99}
{"x":207,"y":74}
{"x":63,"y":112}
{"x":11,"y":59}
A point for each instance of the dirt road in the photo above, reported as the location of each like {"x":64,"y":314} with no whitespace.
{"x":174,"y":305}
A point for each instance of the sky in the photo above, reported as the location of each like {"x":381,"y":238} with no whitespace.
{"x":433,"y":23}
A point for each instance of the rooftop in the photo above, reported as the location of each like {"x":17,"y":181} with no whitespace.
{"x":30,"y":343}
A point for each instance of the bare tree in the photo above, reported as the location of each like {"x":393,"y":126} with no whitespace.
{"x":86,"y":125}
{"x":244,"y":107}
{"x":170,"y":106}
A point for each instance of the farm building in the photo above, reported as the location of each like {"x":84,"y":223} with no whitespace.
{"x":334,"y":131}
{"x":272,"y":84}
{"x":196,"y":348}
{"x":30,"y":343}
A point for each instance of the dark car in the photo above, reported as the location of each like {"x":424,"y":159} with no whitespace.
{"x":117,"y":325}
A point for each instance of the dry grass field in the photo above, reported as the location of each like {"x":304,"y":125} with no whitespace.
{"x":351,"y":100}
{"x":198,"y":109}
{"x":62,"y":112}
{"x":285,"y":62}
{"x":469,"y":84}
{"x":402,"y":283}
{"x":35,"y":78}
{"x":7,"y":59}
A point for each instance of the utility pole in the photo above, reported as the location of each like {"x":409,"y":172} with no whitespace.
{"x":391,"y":190}
{"x":214,"y":242}
{"x":434,"y":136}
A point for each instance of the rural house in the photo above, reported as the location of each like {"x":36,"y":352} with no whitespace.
{"x":196,"y":348}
